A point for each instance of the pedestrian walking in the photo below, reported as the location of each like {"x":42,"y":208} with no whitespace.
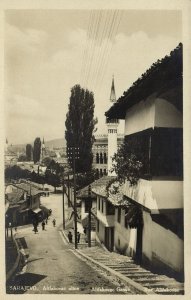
{"x":70,"y":237}
{"x":78,"y":237}
{"x":43,"y":225}
{"x":54,"y":222}
{"x":35,"y":229}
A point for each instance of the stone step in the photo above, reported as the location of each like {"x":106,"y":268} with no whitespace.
{"x":131,"y":268}
{"x":149,"y":280}
{"x":136,"y":273}
{"x":168,"y":291}
{"x":169,"y":284}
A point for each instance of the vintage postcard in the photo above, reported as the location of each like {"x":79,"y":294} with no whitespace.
{"x":94,"y":164}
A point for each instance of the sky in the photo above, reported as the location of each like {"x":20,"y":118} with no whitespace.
{"x":47,"y":52}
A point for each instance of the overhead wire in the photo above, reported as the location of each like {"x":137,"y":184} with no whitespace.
{"x":102,"y":28}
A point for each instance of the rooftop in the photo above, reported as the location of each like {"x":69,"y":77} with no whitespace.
{"x":15,"y":196}
{"x":163,"y":75}
{"x":99,"y":188}
{"x":29,"y":188}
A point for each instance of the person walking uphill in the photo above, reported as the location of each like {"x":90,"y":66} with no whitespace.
{"x":70,"y":237}
{"x":78,"y":237}
{"x":43,"y":225}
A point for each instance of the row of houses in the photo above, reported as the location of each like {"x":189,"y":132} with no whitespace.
{"x":22,"y":203}
{"x":145,"y":220}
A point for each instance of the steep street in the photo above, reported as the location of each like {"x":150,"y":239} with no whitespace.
{"x":52,"y":266}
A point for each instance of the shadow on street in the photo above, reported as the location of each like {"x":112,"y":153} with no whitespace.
{"x":23,"y":282}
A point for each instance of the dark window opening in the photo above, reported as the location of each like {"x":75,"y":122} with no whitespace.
{"x":119,"y":215}
{"x":110,"y":209}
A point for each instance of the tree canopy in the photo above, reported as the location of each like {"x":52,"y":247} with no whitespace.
{"x":80,"y":126}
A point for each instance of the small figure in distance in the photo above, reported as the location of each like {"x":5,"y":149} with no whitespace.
{"x":43,"y":225}
{"x":54,"y":222}
{"x":78,"y":237}
{"x":35,"y":228}
{"x":70,"y":237}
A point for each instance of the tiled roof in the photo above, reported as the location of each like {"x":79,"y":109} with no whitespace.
{"x":30,"y":189}
{"x":163,"y":74}
{"x":99,"y":188}
{"x":98,"y":185}
{"x":15,"y":196}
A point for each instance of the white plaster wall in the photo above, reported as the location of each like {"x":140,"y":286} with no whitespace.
{"x":156,"y":194}
{"x":140,"y":117}
{"x":106,"y":220}
{"x":168,"y":194}
{"x":83,"y":213}
{"x":150,"y":113}
{"x":101,"y":233}
{"x":167,"y":115}
{"x":147,"y":235}
{"x":168,"y":247}
{"x":126,"y":236}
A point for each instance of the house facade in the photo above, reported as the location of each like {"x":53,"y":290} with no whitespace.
{"x":152,"y":110}
{"x":24,"y":203}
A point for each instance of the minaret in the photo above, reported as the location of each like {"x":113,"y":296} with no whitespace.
{"x":112,"y":125}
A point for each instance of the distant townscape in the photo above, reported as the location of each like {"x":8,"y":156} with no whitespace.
{"x":95,"y":213}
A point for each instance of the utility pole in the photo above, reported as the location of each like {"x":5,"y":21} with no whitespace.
{"x":73,"y":154}
{"x":89,"y":215}
{"x":63,"y":190}
{"x":68,"y":190}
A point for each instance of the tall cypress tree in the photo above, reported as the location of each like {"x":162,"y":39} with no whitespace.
{"x":80,"y":125}
{"x":29,"y":152}
{"x":37,"y":150}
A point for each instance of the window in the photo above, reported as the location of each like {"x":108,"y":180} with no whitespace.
{"x":98,"y":203}
{"x":110,"y":209}
{"x":101,"y":158}
{"x":97,"y":158}
{"x":119,"y":215}
{"x":105,"y":158}
{"x":126,"y":222}
{"x":86,"y":208}
{"x":102,"y":205}
{"x":98,"y":225}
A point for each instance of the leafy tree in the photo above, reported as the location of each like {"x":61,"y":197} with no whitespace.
{"x":15,"y":172}
{"x":37,"y":150}
{"x":22,"y":157}
{"x":85,"y":179}
{"x":80,"y":126}
{"x":52,"y":179}
{"x":126,"y":165}
{"x":29,"y":152}
{"x":46,"y":161}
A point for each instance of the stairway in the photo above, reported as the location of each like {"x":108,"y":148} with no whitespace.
{"x":159,"y":284}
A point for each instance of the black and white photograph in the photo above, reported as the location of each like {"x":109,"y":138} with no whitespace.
{"x":93,"y":151}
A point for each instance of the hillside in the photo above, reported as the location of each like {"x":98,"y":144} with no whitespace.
{"x":55,"y":143}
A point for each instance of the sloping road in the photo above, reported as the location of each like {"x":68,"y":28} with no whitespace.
{"x":52,"y":265}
